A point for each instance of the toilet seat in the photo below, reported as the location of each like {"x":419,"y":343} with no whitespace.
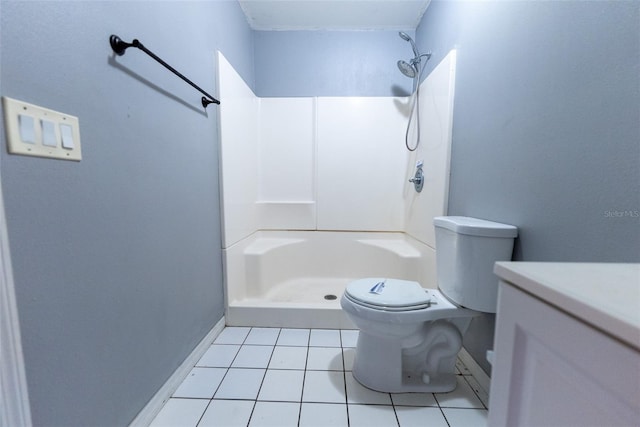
{"x":388,"y":294}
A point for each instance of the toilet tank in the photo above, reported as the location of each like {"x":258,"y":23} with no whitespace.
{"x":466,"y":249}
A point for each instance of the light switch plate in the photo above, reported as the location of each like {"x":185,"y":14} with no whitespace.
{"x":13,"y":109}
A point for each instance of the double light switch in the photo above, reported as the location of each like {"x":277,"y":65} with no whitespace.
{"x":38,"y":131}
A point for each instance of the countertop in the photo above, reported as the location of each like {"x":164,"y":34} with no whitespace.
{"x":604,"y":295}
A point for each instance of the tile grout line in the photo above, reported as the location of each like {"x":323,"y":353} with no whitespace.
{"x":230,"y":364}
{"x":471,"y":386}
{"x":393,"y":405}
{"x":344,"y":378}
{"x":217,"y":388}
{"x":304,"y":376}
{"x":221,"y":380}
{"x":435,"y":397}
{"x":474,"y":392}
{"x":205,"y":409}
{"x":255,"y":401}
{"x":233,"y":360}
{"x":265,"y":371}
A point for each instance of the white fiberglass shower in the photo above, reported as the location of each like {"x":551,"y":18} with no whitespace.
{"x":316,"y":193}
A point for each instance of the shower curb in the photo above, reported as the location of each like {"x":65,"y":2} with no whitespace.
{"x":151,"y":409}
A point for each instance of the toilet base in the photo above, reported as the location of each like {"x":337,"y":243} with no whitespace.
{"x":444,"y":383}
{"x":415,"y":363}
{"x":441,"y":384}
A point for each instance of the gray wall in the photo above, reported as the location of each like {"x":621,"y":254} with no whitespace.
{"x":330,"y":63}
{"x":117,"y":259}
{"x":546,"y":129}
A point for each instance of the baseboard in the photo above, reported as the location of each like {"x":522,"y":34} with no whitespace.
{"x":151,"y":409}
{"x":478,"y":373}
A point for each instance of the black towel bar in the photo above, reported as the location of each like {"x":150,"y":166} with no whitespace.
{"x":120,"y":46}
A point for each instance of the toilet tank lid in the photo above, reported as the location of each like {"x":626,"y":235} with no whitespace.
{"x":475,"y":226}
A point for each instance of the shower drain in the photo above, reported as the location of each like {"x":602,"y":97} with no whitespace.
{"x":330,"y":297}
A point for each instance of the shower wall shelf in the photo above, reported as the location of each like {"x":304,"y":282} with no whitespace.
{"x":119,"y":46}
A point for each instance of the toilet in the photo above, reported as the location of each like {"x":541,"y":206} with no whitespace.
{"x":410,"y":336}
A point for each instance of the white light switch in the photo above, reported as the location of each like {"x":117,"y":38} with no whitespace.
{"x":37,"y":131}
{"x":67,"y":136}
{"x":49,"y":133}
{"x":27,"y":129}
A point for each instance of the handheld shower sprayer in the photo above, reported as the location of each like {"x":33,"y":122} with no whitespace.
{"x":406,"y":37}
{"x":408,"y":68}
{"x":413,"y":69}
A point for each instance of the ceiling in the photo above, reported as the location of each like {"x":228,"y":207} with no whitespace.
{"x":334,"y":14}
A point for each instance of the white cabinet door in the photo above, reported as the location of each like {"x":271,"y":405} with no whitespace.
{"x":553,"y":370}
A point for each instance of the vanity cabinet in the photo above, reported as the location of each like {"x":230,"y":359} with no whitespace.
{"x":567,"y":346}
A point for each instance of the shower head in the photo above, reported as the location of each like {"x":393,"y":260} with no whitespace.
{"x":406,"y":37}
{"x":411,"y":68}
{"x":408,"y":69}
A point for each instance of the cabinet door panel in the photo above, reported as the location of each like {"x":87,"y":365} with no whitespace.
{"x":553,"y":370}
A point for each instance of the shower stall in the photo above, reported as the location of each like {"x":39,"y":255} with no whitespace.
{"x":316,"y":193}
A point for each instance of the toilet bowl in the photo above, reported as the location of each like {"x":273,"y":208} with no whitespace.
{"x":410,"y":336}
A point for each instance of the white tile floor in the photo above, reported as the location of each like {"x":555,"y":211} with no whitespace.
{"x":302,"y":377}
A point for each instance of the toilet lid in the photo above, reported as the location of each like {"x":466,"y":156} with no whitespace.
{"x":388,"y":294}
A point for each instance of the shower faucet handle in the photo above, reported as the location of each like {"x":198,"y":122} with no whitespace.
{"x":418,"y":178}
